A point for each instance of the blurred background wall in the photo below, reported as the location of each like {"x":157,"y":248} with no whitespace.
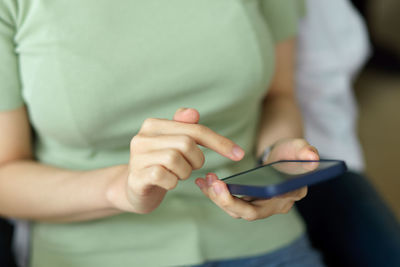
{"x":378,"y":93}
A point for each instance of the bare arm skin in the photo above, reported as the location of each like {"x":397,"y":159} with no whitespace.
{"x":281,"y":115}
{"x":30,"y":190}
{"x":165,"y":151}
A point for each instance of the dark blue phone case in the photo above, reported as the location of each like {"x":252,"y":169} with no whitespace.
{"x":294,"y":183}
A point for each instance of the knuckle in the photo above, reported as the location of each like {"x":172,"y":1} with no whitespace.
{"x":135,"y":141}
{"x":187,"y":143}
{"x":186,"y":174}
{"x":172,"y":185}
{"x":251,"y":215}
{"x":149,"y":124}
{"x":156,"y":172}
{"x":172,"y":157}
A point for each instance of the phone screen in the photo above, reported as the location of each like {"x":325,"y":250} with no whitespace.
{"x":277,"y":172}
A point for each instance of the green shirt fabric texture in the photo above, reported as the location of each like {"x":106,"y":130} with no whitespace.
{"x":91,"y":71}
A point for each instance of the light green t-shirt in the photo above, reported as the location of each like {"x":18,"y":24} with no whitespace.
{"x":90,"y":72}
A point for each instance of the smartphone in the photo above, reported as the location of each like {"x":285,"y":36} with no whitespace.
{"x":283,"y":176}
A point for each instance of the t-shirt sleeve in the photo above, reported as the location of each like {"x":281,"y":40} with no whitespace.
{"x":282,"y":17}
{"x":10,"y":85}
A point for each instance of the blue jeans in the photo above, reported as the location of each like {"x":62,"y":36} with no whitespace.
{"x":298,"y":254}
{"x":350,"y":224}
{"x":6,"y":257}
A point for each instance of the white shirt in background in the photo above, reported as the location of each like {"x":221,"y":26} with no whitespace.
{"x":332,"y":47}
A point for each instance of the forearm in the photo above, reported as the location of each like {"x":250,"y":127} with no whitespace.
{"x":280,"y":119}
{"x":34,"y":191}
{"x":280,"y":116}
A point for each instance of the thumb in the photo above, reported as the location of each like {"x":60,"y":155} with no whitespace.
{"x":187,"y":115}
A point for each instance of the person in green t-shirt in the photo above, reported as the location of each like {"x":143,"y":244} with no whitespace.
{"x":108,"y":177}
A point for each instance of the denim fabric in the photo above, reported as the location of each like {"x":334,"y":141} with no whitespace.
{"x":351,"y":225}
{"x":298,"y":254}
{"x":6,"y":231}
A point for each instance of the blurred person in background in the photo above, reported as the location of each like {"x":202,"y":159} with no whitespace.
{"x":351,"y":225}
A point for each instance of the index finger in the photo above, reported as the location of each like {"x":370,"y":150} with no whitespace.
{"x":201,"y":134}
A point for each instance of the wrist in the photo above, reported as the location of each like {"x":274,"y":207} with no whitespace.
{"x":115,"y":191}
{"x":262,"y":159}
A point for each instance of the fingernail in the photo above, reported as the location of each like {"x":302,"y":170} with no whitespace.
{"x":209,"y":180}
{"x":313,"y":150}
{"x":217,"y":188}
{"x":186,"y":110}
{"x":238,"y":152}
{"x":199,"y":184}
{"x":182,"y":109}
{"x":312,"y":156}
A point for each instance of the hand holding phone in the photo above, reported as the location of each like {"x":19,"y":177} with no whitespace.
{"x":283,"y":176}
{"x":253,"y":208}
